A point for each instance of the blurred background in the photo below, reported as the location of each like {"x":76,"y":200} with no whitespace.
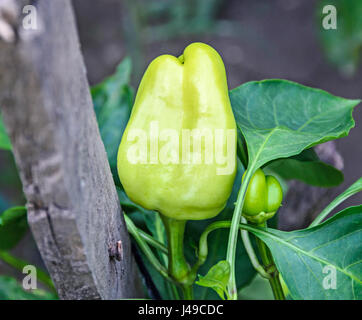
{"x":256,"y":39}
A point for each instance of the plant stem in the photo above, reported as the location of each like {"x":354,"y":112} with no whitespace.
{"x":174,"y":291}
{"x":171,"y":287}
{"x":353,"y":189}
{"x":177,"y":265}
{"x":251,"y":253}
{"x":178,"y":268}
{"x":233,"y":235}
{"x":132,"y":229}
{"x":187,"y":292}
{"x":153,"y":242}
{"x":203,"y":247}
{"x":270,"y":267}
{"x":20,"y":264}
{"x":267,"y":260}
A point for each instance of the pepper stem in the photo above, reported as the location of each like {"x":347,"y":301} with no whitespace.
{"x":270,"y":267}
{"x":178,"y":267}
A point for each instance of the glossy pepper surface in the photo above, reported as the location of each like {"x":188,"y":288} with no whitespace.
{"x":263,"y":197}
{"x":179,"y":95}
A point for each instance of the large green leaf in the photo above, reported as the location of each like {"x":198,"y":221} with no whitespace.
{"x":113,"y":103}
{"x":306,"y":167}
{"x":279,"y":118}
{"x":342,"y":45}
{"x":4,"y":138}
{"x":10,"y":289}
{"x":13,"y":225}
{"x":307,"y":259}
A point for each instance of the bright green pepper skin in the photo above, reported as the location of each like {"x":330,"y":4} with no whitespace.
{"x":180,"y":93}
{"x":262,"y":198}
{"x":274,"y":194}
{"x":256,"y":195}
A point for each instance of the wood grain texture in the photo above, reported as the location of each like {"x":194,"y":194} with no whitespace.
{"x":73,"y":208}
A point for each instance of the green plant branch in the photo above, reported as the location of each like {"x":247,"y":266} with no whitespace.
{"x":233,"y":235}
{"x":251,"y":253}
{"x":353,"y":189}
{"x":203,"y":248}
{"x":187,"y":292}
{"x":133,"y":230}
{"x":270,"y":267}
{"x":171,"y":287}
{"x":174,"y":290}
{"x":20,"y":264}
{"x":178,"y":267}
{"x":153,"y":242}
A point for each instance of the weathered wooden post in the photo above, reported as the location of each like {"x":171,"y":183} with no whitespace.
{"x":73,"y":208}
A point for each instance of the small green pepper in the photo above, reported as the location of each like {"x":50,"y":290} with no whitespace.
{"x":263,"y":197}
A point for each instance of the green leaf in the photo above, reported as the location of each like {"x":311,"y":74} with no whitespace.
{"x":306,"y":167}
{"x":10,"y":289}
{"x":113,"y":103}
{"x":342,"y":46}
{"x":9,"y":181}
{"x":19,"y":264}
{"x":258,"y":289}
{"x":4,"y":138}
{"x":13,"y":225}
{"x":280,"y":118}
{"x":217,"y":278}
{"x":308,"y":258}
